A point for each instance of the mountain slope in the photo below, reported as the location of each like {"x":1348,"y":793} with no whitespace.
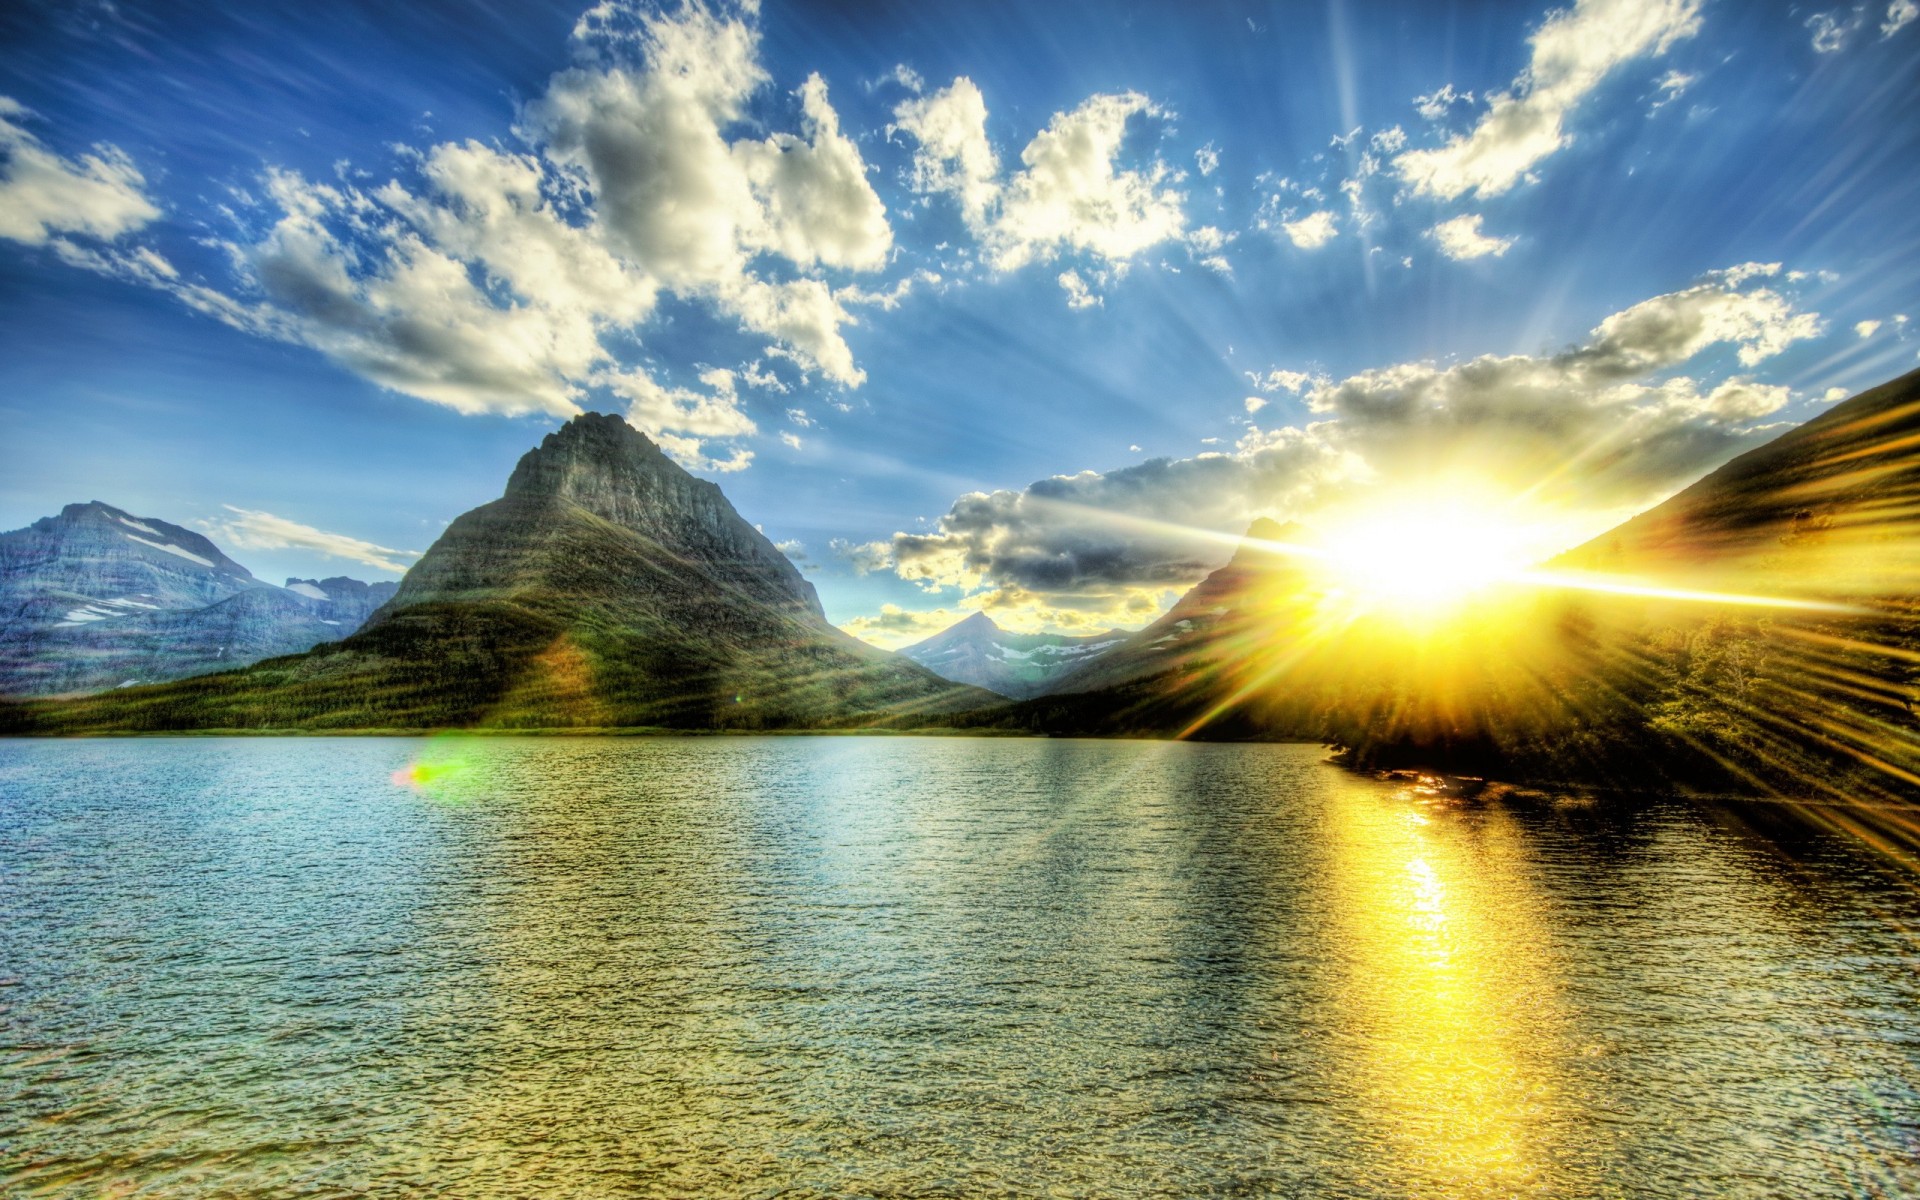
{"x":1831,"y":506}
{"x":1019,"y":665}
{"x":606,"y":587}
{"x":96,"y":598}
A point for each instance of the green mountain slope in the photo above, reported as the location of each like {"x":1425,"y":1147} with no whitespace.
{"x":607,"y":587}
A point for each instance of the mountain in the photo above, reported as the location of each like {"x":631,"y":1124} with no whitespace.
{"x":1214,"y":622}
{"x":343,"y":601}
{"x":1019,"y":665}
{"x":606,"y":588}
{"x":1831,"y":506}
{"x":97,"y":598}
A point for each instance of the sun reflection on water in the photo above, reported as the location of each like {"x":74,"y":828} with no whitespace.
{"x":1449,"y":1002}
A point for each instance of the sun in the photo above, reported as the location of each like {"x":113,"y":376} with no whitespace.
{"x":1425,"y":555}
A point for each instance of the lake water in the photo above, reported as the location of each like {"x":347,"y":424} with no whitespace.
{"x":922,"y":967}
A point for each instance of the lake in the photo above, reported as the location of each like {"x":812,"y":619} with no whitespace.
{"x":923,"y":967}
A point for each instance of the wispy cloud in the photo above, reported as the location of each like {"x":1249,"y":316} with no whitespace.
{"x":250,"y":529}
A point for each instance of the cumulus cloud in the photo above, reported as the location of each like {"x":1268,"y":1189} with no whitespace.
{"x":1900,"y":14}
{"x":1071,"y":195}
{"x":1461,"y":238}
{"x":249,"y":529}
{"x":1573,"y":51}
{"x":494,"y":281}
{"x":953,"y":153}
{"x":1312,"y":231}
{"x":1586,"y":436}
{"x":1866,"y":329}
{"x":100,"y":194}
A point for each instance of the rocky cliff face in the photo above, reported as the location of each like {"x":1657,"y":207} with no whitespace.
{"x":97,"y":598}
{"x":1017,"y":665}
{"x":606,"y":587}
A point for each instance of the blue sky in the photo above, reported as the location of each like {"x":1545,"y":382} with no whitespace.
{"x":1021,"y":307}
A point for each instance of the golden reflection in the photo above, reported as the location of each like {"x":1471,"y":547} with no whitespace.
{"x":1450,"y":1010}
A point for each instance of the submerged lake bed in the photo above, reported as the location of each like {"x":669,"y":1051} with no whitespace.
{"x":923,"y":967}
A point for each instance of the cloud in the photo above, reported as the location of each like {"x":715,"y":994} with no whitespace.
{"x":1071,"y":194}
{"x":1207,"y":159}
{"x":1311,"y":231}
{"x":100,"y":194}
{"x":1580,"y":438}
{"x":493,"y":281}
{"x":1573,"y":51}
{"x":1277,"y":380}
{"x":1900,"y":14}
{"x":863,"y":557}
{"x":953,"y":154}
{"x":893,"y":626}
{"x":1437,"y":104}
{"x":249,"y":529}
{"x":1866,"y":329}
{"x":1078,"y":294}
{"x":1461,"y":239}
{"x":1832,"y":29}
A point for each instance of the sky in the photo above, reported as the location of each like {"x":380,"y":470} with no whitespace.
{"x":1022,"y":308}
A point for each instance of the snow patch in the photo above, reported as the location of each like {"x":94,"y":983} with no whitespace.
{"x":329,"y":622}
{"x":130,"y":523}
{"x":309,"y":591}
{"x":172,"y":549}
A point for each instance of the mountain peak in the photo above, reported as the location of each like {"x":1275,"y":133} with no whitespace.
{"x":978,"y":623}
{"x":590,"y":453}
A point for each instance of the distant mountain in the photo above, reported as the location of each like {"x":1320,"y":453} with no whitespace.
{"x":349,"y":602}
{"x":96,"y":598}
{"x":606,"y":587}
{"x":1219,"y":616}
{"x":1018,"y":665}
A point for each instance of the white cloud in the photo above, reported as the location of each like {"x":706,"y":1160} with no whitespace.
{"x":1573,"y":51}
{"x":1439,"y":103}
{"x":1672,"y":86}
{"x":1255,"y":403}
{"x":1900,"y":14}
{"x":1832,"y":29}
{"x":1833,"y":394}
{"x":953,"y":154}
{"x":1071,"y":194}
{"x":1311,"y":231}
{"x":249,"y":529}
{"x":1207,"y":159}
{"x":1277,"y":380}
{"x":1078,"y":294}
{"x":791,"y":439}
{"x":500,"y":282}
{"x":100,"y":194}
{"x":1461,"y":238}
{"x":1388,"y":140}
{"x":1866,"y":329}
{"x":1581,"y":438}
